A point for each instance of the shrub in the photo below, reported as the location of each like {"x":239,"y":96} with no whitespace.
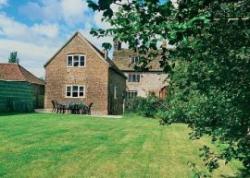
{"x":147,"y":107}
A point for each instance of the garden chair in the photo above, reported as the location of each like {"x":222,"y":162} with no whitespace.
{"x":57,"y":107}
{"x":54,"y":104}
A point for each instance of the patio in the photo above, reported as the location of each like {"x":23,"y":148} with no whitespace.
{"x":71,"y":107}
{"x":47,"y":111}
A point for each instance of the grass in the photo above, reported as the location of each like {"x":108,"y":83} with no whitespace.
{"x":50,"y":145}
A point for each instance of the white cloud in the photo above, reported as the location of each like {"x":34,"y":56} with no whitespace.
{"x":54,"y":22}
{"x":3,"y":3}
{"x":37,"y":33}
{"x":45,"y":10}
{"x":35,"y":44}
{"x":73,"y":10}
{"x":70,"y":12}
{"x":31,"y":56}
{"x":98,"y":21}
{"x":50,"y":30}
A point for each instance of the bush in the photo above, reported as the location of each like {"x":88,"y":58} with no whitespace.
{"x":147,"y":107}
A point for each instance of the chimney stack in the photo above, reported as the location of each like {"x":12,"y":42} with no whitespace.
{"x":117,"y":45}
{"x":106,"y":54}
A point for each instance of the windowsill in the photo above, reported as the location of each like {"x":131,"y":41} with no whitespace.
{"x":69,"y":97}
{"x":76,"y":67}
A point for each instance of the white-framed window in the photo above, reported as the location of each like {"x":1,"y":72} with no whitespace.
{"x":115,"y":92}
{"x":76,"y":60}
{"x":131,"y":94}
{"x":135,"y":59}
{"x":134,"y":77}
{"x":75,"y":91}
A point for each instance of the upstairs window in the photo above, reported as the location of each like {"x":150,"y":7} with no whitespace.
{"x":133,"y":77}
{"x":76,"y":60}
{"x":135,"y":59}
{"x":75,"y":91}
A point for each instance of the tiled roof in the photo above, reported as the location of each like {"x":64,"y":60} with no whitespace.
{"x":122,"y":58}
{"x":15,"y":72}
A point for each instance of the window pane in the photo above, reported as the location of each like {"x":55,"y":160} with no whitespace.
{"x":70,"y":61}
{"x":75,"y":88}
{"x":134,"y":78}
{"x":81,"y":91}
{"x":135,"y":59}
{"x":76,"y":61}
{"x":82,"y":61}
{"x":130,"y":77}
{"x":138,"y":78}
{"x":68,"y":91}
{"x":75,"y":91}
{"x":81,"y":88}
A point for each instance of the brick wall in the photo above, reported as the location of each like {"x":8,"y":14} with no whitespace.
{"x":94,"y":76}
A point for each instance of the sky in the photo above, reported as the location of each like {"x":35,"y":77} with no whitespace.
{"x":36,"y":29}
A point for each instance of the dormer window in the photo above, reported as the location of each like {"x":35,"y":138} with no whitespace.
{"x":135,"y":59}
{"x":76,"y":60}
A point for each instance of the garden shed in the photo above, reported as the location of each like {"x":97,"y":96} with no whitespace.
{"x":20,"y":90}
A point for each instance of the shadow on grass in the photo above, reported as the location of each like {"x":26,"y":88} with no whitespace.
{"x":15,"y":113}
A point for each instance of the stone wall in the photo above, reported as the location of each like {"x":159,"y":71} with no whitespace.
{"x":150,"y":82}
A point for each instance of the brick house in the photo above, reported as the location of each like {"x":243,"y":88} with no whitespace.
{"x":81,"y":72}
{"x":153,"y":81}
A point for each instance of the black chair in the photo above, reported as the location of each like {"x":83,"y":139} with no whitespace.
{"x":54,"y":104}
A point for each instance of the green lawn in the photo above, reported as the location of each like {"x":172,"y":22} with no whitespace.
{"x":50,"y":145}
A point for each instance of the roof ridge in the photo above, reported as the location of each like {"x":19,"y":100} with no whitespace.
{"x":58,"y":51}
{"x":32,"y":75}
{"x":16,"y":72}
{"x":91,"y":45}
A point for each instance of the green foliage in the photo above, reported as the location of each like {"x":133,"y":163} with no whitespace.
{"x":211,"y":87}
{"x":107,"y":46}
{"x":147,"y":107}
{"x":13,"y":58}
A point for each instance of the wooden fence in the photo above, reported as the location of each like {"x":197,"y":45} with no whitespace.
{"x":16,"y":96}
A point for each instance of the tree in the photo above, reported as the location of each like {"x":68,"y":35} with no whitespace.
{"x":210,"y":85}
{"x":13,"y":58}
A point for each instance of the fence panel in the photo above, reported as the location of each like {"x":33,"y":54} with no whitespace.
{"x":16,"y":96}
